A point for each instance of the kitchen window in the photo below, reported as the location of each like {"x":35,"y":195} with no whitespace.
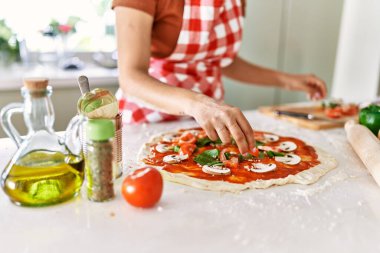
{"x":94,"y":31}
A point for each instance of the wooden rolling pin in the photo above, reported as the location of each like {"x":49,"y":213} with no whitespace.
{"x":366,"y":146}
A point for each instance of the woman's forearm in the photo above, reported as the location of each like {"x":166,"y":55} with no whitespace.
{"x":165,"y":98}
{"x":249,"y":73}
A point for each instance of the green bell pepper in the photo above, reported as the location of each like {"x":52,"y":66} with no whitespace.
{"x":370,"y":117}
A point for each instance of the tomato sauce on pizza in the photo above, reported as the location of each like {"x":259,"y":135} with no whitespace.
{"x":190,"y":152}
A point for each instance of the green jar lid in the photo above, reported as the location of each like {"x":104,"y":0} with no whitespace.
{"x":100,"y":129}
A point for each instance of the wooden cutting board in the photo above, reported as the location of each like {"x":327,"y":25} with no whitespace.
{"x":316,"y":110}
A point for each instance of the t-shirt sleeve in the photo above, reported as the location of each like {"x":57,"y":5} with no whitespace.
{"x":148,"y":6}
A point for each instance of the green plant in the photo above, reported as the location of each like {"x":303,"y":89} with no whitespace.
{"x":8,"y":42}
{"x":56,"y":28}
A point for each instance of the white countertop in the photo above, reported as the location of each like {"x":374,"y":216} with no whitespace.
{"x":339,"y":213}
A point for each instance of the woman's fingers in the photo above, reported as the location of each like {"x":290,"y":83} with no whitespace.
{"x":316,"y":87}
{"x":218,"y":119}
{"x":247,"y":130}
{"x":210,"y":131}
{"x":222,"y":131}
{"x":238,"y":136}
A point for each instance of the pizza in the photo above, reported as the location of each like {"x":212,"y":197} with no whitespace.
{"x":189,"y":157}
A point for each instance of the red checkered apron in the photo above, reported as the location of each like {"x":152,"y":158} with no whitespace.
{"x":209,"y":40}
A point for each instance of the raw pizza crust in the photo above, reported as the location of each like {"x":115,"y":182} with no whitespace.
{"x":327,"y":163}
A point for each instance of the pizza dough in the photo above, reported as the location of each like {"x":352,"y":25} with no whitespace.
{"x":309,"y":176}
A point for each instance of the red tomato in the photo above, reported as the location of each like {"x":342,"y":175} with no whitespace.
{"x":334,"y":113}
{"x":350,"y":110}
{"x":233,"y":163}
{"x":222,"y":157}
{"x":187,"y":137}
{"x":143,"y":187}
{"x":255,"y":152}
{"x":202,"y":134}
{"x":187,"y":148}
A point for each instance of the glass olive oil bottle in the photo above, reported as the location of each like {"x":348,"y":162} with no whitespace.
{"x":47,"y":168}
{"x":43,"y":177}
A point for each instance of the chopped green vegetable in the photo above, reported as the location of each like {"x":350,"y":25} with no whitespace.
{"x":176,"y":149}
{"x":329,"y":104}
{"x":261,"y":155}
{"x":216,"y":163}
{"x":241,"y":158}
{"x":270,"y":154}
{"x":259,"y":143}
{"x":214,"y":153}
{"x":248,"y":156}
{"x":208,"y":157}
{"x":218,"y":141}
{"x":202,"y":142}
{"x":227,"y":155}
{"x":278,"y":153}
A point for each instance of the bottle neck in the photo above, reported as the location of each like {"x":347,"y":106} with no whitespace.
{"x":38,"y":110}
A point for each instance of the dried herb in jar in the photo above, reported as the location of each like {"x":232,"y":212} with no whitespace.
{"x":99,"y":159}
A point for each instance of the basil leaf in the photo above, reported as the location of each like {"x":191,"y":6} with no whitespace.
{"x":261,"y":155}
{"x":278,"y":153}
{"x":214,"y":153}
{"x":227,"y":155}
{"x":218,"y":141}
{"x":216,"y":163}
{"x":202,"y":142}
{"x":176,"y":149}
{"x":241,"y":158}
{"x":207,"y":157}
{"x":248,"y":156}
{"x":259,"y":143}
{"x":270,"y":154}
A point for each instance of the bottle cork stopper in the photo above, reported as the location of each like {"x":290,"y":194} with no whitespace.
{"x":36,"y":83}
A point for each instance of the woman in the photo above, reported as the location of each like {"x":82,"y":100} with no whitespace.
{"x":172,"y":54}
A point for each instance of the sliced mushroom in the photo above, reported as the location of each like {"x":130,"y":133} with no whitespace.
{"x":174,"y":158}
{"x":262,"y":167}
{"x":271,"y":138}
{"x":290,"y":159}
{"x":287,"y":146}
{"x":265,"y":148}
{"x":163,"y":148}
{"x":216,"y":170}
{"x":169,"y":137}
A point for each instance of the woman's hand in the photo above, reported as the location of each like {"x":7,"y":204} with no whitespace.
{"x":223,"y":121}
{"x":311,"y":84}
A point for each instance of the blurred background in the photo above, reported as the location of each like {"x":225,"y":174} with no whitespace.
{"x":338,"y":40}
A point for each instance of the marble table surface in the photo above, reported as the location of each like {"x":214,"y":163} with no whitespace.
{"x":339,"y":213}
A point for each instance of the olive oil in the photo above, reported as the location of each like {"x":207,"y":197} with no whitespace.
{"x":43,"y":178}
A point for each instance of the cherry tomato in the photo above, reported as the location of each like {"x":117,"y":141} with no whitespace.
{"x":143,"y":187}
{"x":334,"y":113}
{"x":350,"y":110}
{"x":187,"y":137}
{"x":255,"y":152}
{"x":233,"y":163}
{"x":232,"y":149}
{"x":187,"y":148}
